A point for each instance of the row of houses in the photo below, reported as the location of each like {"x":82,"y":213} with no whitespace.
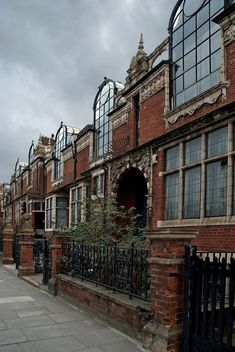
{"x":162,"y":142}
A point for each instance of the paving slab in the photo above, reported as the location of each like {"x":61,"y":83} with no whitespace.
{"x":33,"y":321}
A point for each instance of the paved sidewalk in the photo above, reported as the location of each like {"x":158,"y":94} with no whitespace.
{"x":33,"y":321}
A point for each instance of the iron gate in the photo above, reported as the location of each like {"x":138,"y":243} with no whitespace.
{"x":17,"y":250}
{"x":42,"y":258}
{"x":209,"y":307}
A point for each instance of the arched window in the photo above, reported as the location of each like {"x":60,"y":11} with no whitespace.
{"x":195,"y":48}
{"x":104,"y":103}
{"x":60,"y":144}
{"x":64,"y":137}
{"x":30,"y":161}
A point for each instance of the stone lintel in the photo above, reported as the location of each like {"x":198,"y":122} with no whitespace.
{"x":8,"y":240}
{"x":165,"y":261}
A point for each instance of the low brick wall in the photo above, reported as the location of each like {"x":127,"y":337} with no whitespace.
{"x":128,"y":315}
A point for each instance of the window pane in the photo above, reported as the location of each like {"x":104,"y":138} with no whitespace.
{"x":216,"y":6}
{"x":203,"y":33}
{"x":190,"y":93}
{"x":61,"y":217}
{"x":215,"y":41}
{"x":216,"y":188}
{"x":190,"y":60}
{"x":215,"y":61}
{"x":179,"y":84}
{"x":172,"y":192}
{"x":178,"y":68}
{"x":203,"y":15}
{"x":217,"y":142}
{"x":189,"y":43}
{"x":203,"y":51}
{"x":189,"y":27}
{"x":178,"y":52}
{"x":192,"y":179}
{"x":172,"y":158}
{"x":203,"y":69}
{"x":189,"y":77}
{"x":177,"y":36}
{"x":193,"y":151}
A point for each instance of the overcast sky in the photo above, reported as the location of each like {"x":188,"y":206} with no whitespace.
{"x":53,"y":56}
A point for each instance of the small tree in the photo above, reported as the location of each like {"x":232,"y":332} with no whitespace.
{"x":106,"y":223}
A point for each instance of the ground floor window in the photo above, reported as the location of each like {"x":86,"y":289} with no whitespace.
{"x":75,"y":205}
{"x":56,"y":212}
{"x":199,"y":176}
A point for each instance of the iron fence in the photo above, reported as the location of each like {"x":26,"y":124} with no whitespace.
{"x":121,"y":269}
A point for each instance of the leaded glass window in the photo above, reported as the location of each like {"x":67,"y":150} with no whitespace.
{"x":193,"y":151}
{"x":171,"y":196}
{"x":217,"y":142}
{"x":76,"y":205}
{"x":195,"y":48}
{"x":192,"y":179}
{"x":216,"y":188}
{"x":61,"y":212}
{"x":172,"y":158}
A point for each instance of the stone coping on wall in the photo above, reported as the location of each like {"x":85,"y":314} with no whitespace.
{"x":128,"y":315}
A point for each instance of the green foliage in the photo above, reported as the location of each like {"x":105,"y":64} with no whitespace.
{"x":106,"y":223}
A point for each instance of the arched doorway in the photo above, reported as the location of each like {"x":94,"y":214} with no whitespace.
{"x":132,"y":191}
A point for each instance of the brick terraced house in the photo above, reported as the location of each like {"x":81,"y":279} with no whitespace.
{"x":163,"y":142}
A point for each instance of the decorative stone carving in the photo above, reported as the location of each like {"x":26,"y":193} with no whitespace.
{"x":139,"y":65}
{"x":228,"y":25}
{"x":119,"y":119}
{"x":140,"y":160}
{"x":153,"y":87}
{"x":190,"y":109}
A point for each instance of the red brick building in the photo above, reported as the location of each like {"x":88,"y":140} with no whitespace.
{"x":162,"y":142}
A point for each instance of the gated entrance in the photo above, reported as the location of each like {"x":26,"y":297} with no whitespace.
{"x":42,"y":258}
{"x":209,"y":306}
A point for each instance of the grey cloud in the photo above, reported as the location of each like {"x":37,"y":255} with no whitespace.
{"x":55,"y":53}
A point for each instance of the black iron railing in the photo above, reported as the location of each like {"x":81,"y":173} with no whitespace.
{"x":121,"y":269}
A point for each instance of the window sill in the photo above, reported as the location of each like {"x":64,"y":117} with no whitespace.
{"x":189,"y":108}
{"x":220,"y":220}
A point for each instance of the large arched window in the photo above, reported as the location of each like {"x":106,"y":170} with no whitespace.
{"x":104,"y":103}
{"x":195,"y":48}
{"x":64,"y":136}
{"x":30,"y":162}
{"x":60,"y":144}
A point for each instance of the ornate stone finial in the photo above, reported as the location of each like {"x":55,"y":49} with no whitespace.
{"x":26,"y":225}
{"x":61,"y":124}
{"x":141,"y":43}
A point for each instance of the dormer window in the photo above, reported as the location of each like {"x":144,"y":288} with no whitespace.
{"x":195,"y":48}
